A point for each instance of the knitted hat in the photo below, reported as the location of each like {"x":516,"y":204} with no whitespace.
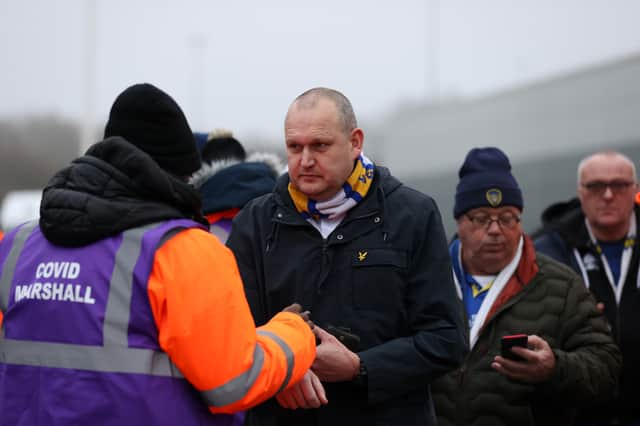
{"x":151,"y":120}
{"x":486,"y":180}
{"x":221,"y":145}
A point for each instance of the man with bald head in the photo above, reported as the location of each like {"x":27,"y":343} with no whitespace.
{"x":596,"y":235}
{"x":368,"y":257}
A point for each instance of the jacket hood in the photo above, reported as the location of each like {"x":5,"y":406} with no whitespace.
{"x":208,"y":170}
{"x":115,"y":186}
{"x":559,"y":211}
{"x":231,"y":184}
{"x":564,"y":217}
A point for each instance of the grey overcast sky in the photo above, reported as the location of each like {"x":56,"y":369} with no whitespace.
{"x":238,"y":64}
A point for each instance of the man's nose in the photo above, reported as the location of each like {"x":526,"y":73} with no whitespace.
{"x":494,"y":227}
{"x":307,"y":158}
{"x":608,"y":192}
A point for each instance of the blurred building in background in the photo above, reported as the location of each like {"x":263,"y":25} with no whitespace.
{"x":32,"y":149}
{"x":545,"y":128}
{"x":18,"y":207}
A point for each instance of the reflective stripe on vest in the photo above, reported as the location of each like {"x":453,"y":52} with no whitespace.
{"x":237,"y":388}
{"x":114,"y":355}
{"x":10,"y":266}
{"x":84,"y":357}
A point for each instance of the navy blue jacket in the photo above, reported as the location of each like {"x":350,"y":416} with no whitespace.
{"x":565,"y":234}
{"x":399,"y":297}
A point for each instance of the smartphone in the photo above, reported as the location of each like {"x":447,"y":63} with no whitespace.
{"x":508,"y":342}
{"x":344,"y":335}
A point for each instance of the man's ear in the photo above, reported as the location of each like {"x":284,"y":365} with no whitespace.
{"x":356,"y":139}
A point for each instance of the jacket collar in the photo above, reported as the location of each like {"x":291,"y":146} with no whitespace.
{"x":572,"y":229}
{"x":526,"y":270}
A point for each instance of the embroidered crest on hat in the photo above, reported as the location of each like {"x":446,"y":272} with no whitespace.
{"x":486,"y":181}
{"x":494,"y":197}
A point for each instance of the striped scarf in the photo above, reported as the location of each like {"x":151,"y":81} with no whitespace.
{"x":352,"y":192}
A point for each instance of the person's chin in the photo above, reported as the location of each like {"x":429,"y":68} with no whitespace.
{"x":494,"y":264}
{"x":494,"y":254}
{"x":310,"y":189}
{"x":609,"y":216}
{"x":610,"y":220}
{"x":307,"y":179}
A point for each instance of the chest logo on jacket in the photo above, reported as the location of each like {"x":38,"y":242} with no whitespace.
{"x":590,"y":262}
{"x":362,"y":255}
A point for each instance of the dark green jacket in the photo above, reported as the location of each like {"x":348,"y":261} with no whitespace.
{"x":553,"y":304}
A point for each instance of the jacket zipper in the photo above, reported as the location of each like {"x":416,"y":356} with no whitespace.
{"x":325,"y":245}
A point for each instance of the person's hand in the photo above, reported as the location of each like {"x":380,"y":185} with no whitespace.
{"x":334,"y":362}
{"x":307,"y":393}
{"x":600,"y":307}
{"x":537,"y":366}
{"x":297,"y":309}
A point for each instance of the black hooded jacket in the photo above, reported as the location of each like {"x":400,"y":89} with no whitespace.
{"x":384,"y":273}
{"x":563,"y":237}
{"x":115,"y":186}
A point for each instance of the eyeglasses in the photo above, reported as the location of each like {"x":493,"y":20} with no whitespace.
{"x":484,"y":221}
{"x":599,"y":187}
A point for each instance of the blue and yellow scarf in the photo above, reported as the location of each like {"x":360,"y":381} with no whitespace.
{"x":353,"y":191}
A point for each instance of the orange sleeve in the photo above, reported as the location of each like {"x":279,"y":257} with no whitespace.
{"x":205,"y":326}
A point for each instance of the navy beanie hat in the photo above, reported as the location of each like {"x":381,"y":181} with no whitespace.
{"x":486,"y":181}
{"x":151,"y":120}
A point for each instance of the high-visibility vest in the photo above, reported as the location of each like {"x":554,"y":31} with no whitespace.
{"x":79,"y":345}
{"x":220,"y":223}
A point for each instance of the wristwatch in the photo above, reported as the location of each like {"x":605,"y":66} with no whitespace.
{"x":361,"y":379}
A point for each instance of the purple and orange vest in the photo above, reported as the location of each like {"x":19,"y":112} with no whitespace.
{"x":79,"y":344}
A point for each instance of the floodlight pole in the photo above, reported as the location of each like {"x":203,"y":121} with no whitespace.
{"x":87,"y":130}
{"x":432,"y":33}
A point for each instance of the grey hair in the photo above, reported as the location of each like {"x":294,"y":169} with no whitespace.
{"x":610,"y":154}
{"x":310,"y":98}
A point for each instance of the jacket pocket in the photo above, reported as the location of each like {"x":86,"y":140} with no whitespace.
{"x":379,"y":277}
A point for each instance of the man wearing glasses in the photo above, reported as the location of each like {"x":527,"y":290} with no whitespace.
{"x":597,"y":237}
{"x":564,"y":357}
